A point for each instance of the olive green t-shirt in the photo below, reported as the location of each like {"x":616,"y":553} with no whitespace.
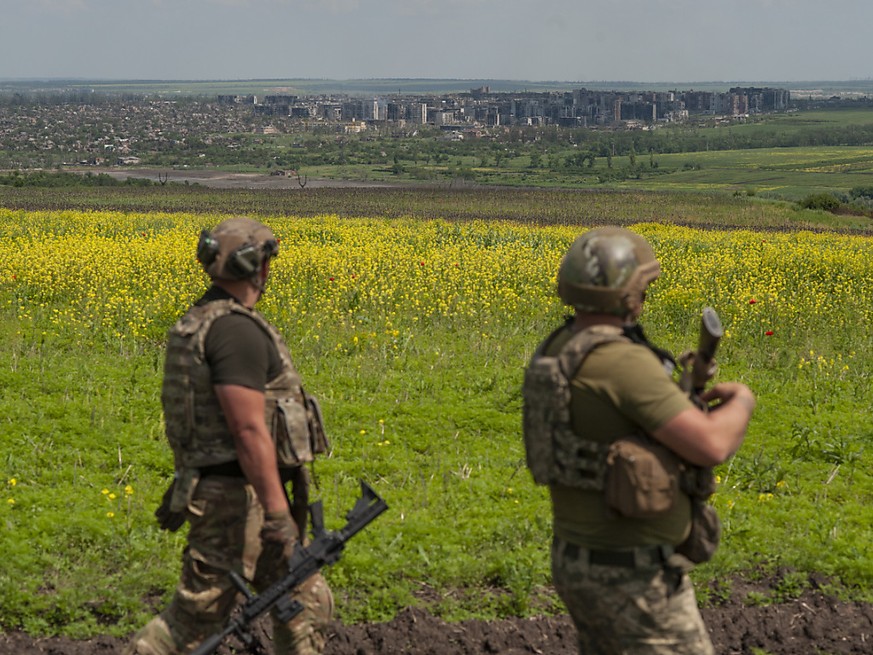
{"x":238,"y":350}
{"x":621,"y":388}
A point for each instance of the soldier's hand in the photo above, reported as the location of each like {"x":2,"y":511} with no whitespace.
{"x":279,"y":533}
{"x":726,"y":392}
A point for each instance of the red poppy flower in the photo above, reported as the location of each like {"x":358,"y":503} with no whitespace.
{"x":768,"y":333}
{"x":752,"y":301}
{"x":330,"y":279}
{"x":421,"y":263}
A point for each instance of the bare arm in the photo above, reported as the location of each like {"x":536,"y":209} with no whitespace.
{"x":244,"y":410}
{"x":707,"y":439}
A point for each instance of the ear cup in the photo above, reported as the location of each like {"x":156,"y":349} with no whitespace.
{"x":244,"y":261}
{"x":207,"y":248}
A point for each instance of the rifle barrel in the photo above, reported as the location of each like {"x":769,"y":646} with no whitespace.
{"x":211,"y":644}
{"x":711,"y":332}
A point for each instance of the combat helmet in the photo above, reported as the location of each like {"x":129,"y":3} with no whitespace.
{"x":607,"y":270}
{"x":236,"y":249}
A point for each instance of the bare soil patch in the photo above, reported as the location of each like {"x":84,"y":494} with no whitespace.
{"x":223,"y":180}
{"x":813,"y":624}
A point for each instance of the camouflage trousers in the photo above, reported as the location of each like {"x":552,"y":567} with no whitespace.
{"x":646,"y":609}
{"x":226,"y":518}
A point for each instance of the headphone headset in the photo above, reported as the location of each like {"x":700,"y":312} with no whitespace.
{"x":207,"y":248}
{"x":239,"y":264}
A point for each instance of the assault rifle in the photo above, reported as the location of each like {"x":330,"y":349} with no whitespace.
{"x":699,"y":366}
{"x":324,"y":549}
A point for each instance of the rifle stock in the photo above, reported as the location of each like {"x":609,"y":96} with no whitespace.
{"x":324,"y":549}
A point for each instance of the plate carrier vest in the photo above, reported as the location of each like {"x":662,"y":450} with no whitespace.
{"x":555,"y":453}
{"x":195,"y":425}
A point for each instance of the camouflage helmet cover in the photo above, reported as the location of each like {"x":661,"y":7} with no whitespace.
{"x":607,"y":270}
{"x":236,"y":248}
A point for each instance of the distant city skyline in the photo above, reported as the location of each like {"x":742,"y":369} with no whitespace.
{"x":647,"y":41}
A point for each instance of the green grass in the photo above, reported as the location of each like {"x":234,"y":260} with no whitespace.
{"x":788,"y":173}
{"x":775,"y":173}
{"x":435,"y":429}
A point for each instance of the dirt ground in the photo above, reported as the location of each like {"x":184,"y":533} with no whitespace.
{"x":814,"y":624}
{"x":223,"y":180}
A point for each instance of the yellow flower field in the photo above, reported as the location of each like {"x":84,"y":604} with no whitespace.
{"x":124,"y":276}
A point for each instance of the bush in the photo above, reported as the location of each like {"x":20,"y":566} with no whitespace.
{"x":59,"y":179}
{"x":823,"y":201}
{"x":865,"y":192}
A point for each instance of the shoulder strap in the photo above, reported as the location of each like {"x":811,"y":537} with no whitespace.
{"x":544,"y":344}
{"x":581,"y":344}
{"x":199,"y":315}
{"x":635,"y":334}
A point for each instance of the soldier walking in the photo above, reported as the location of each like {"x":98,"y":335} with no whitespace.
{"x":241,"y":427}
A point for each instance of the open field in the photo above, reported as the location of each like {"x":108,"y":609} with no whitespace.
{"x":411,"y":296}
{"x":414,"y":333}
{"x":788,"y":173}
{"x":774,"y":173}
{"x":265,"y":195}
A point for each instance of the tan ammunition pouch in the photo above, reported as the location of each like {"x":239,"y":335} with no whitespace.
{"x":298,"y":430}
{"x":642,"y":477}
{"x":643,"y":480}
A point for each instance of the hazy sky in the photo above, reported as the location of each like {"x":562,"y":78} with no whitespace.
{"x":565,"y":40}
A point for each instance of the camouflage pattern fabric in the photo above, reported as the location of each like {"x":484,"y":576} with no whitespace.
{"x":555,"y":454}
{"x":226,"y":519}
{"x":649,"y":609}
{"x":195,"y":423}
